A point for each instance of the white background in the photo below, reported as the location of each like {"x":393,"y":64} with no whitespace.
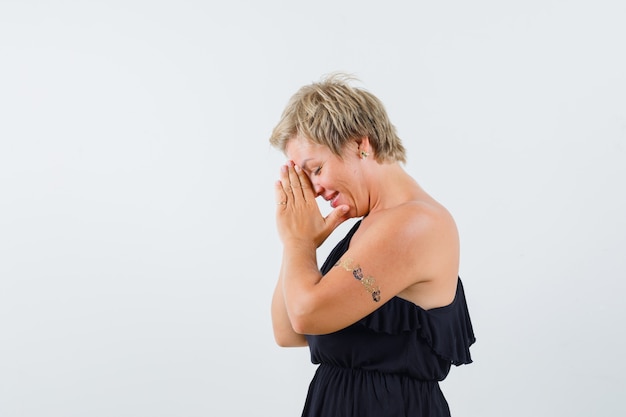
{"x":137,"y":245}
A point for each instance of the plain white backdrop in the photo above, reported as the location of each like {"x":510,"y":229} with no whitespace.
{"x":137,"y":245}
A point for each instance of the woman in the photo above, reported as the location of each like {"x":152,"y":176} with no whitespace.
{"x":386,"y":316}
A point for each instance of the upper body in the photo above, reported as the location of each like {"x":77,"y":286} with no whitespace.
{"x":341,"y":146}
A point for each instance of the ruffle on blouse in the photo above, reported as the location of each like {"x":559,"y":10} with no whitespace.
{"x":447,"y":330}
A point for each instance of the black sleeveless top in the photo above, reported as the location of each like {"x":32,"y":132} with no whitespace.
{"x":389,"y":363}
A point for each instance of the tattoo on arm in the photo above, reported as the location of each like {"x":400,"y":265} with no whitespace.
{"x":357,"y":273}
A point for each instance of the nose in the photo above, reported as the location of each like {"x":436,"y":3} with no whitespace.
{"x":318,"y":189}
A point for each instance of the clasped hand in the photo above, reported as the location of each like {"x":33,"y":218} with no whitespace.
{"x":298,"y":217}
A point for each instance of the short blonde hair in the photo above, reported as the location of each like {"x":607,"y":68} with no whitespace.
{"x":333,"y":113}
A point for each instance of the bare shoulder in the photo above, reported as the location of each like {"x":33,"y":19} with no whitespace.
{"x":416,"y":222}
{"x":420,"y":239}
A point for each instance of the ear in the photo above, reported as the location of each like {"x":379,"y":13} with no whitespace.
{"x":363,"y":144}
{"x":363,"y":147}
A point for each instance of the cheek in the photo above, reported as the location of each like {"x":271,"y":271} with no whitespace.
{"x":326,"y":178}
{"x":317,"y":181}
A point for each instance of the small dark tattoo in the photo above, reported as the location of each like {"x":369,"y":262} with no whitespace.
{"x":368,"y":282}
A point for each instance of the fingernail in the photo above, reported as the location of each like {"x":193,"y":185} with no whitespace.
{"x":283,"y":168}
{"x":297,"y":168}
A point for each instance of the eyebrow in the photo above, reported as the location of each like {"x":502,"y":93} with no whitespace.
{"x":304,"y":164}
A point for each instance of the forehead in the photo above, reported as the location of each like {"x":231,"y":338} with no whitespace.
{"x":299,"y":148}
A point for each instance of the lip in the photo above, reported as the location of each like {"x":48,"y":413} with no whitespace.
{"x":333,"y":200}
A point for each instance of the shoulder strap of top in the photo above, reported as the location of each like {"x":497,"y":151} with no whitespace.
{"x":339,"y":250}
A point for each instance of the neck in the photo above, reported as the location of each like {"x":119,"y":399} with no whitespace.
{"x":389,"y":186}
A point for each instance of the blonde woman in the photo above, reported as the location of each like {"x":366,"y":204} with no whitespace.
{"x":386,"y":316}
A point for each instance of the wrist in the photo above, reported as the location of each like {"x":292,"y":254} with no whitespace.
{"x":299,"y":246}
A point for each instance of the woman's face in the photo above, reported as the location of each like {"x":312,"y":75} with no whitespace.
{"x":334,"y":179}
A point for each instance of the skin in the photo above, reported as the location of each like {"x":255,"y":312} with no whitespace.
{"x":407,"y":243}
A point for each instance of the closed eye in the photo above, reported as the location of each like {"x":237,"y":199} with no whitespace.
{"x":317,"y":170}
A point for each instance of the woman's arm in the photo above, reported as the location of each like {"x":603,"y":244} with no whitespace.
{"x":284,"y":334}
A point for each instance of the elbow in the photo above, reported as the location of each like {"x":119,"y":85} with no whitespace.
{"x":285,"y":342}
{"x":281,"y":342}
{"x":302,"y":325}
{"x":289,"y":339}
{"x":305,"y":321}
{"x":306,"y":316}
{"x":316,"y":322}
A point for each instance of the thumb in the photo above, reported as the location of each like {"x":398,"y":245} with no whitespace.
{"x":336,"y":217}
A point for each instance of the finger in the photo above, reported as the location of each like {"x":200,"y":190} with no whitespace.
{"x":336,"y":217}
{"x":305,"y":184}
{"x":286,"y":182}
{"x":281,"y":197}
{"x":294,"y":181}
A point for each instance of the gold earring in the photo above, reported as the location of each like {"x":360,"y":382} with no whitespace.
{"x":364,"y":154}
